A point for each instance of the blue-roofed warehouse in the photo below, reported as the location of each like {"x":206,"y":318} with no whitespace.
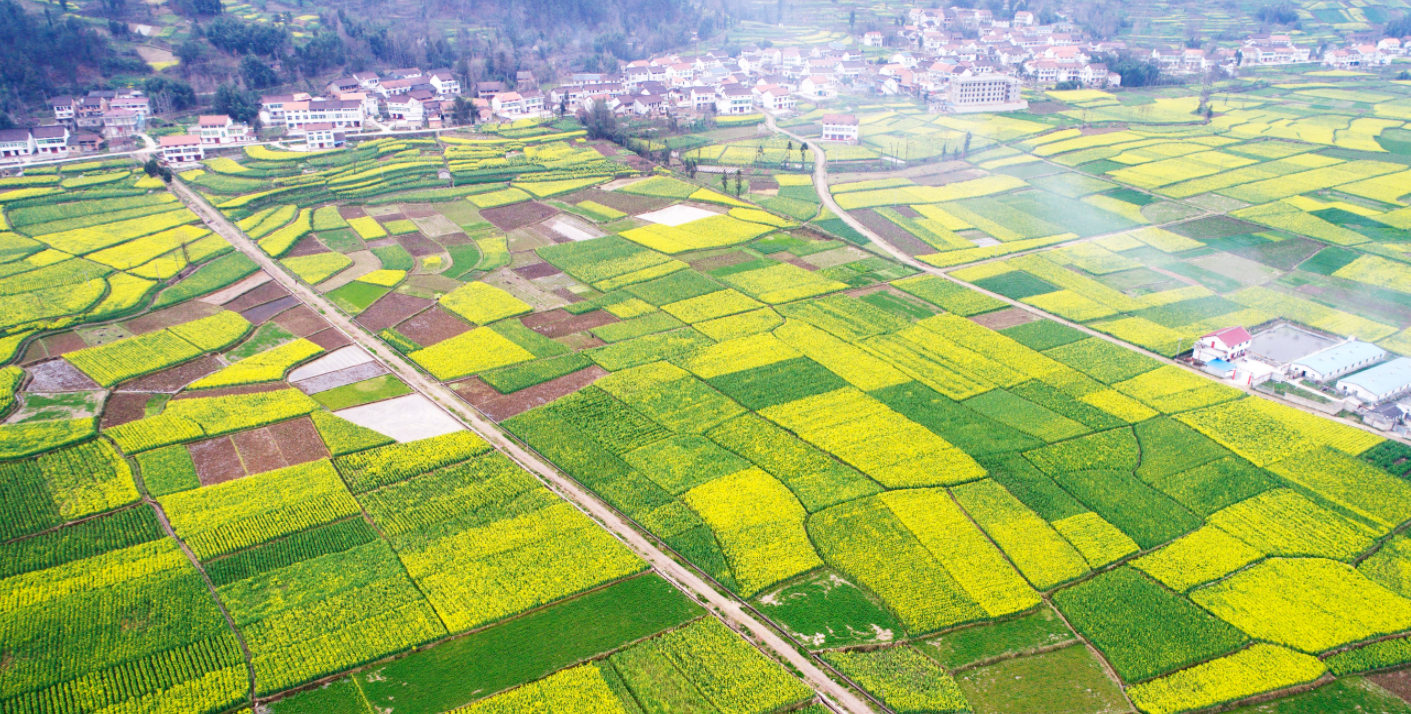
{"x":1333,"y":362}
{"x":1380,"y":383}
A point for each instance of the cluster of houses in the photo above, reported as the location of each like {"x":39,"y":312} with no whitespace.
{"x":81,"y":125}
{"x":1367,"y":52}
{"x":1358,"y":372}
{"x":209,"y":131}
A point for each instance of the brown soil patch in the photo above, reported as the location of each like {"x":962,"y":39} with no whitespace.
{"x":763,"y":183}
{"x":455,"y":239}
{"x":1000,"y":319}
{"x":351,"y":211}
{"x":231,"y":391}
{"x":62,"y":344}
{"x":58,"y":376}
{"x":577,"y":323}
{"x":1398,"y":683}
{"x":340,"y":377}
{"x":568,"y":295}
{"x":810,"y":267}
{"x":474,"y":391}
{"x":911,"y":245}
{"x":537,"y":270}
{"x":216,"y":460}
{"x":268,"y":292}
{"x":419,"y":210}
{"x":433,"y":325}
{"x":907,"y":211}
{"x":605,"y":149}
{"x":298,"y":441}
{"x":435,"y":283}
{"x":261,"y":314}
{"x":391,"y":309}
{"x":419,"y":245}
{"x":302,"y":321}
{"x":720,"y":261}
{"x":123,"y":407}
{"x":579,"y":341}
{"x":1047,"y":108}
{"x":880,"y":225}
{"x":387,"y":217}
{"x":504,"y":407}
{"x":519,"y":215}
{"x":539,"y":319}
{"x":258,"y":451}
{"x":173,"y":379}
{"x":628,"y":203}
{"x":176,"y":315}
{"x":34,"y":352}
{"x":942,"y":179}
{"x":308,"y":245}
{"x":330,"y":339}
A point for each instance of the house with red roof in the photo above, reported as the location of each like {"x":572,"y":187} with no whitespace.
{"x":1228,"y":344}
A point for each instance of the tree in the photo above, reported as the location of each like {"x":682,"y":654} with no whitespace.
{"x":240,"y":105}
{"x":207,"y":7}
{"x":690,"y":166}
{"x":1400,"y":27}
{"x":174,"y":93}
{"x":724,"y":182}
{"x":1135,"y":70}
{"x":852,"y":20}
{"x":739,"y":182}
{"x":601,"y":123}
{"x":257,"y":74}
{"x":324,"y":51}
{"x":1282,"y":13}
{"x":152,"y":168}
{"x":460,"y":111}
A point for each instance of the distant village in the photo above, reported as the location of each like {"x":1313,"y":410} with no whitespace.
{"x":955,"y":60}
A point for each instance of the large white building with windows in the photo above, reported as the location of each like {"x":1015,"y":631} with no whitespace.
{"x":987,"y":92}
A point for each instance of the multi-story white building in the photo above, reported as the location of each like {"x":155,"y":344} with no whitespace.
{"x":272,"y":106}
{"x":221,"y":130}
{"x":16,"y":143}
{"x":63,"y":108}
{"x":840,"y":127}
{"x":181,"y":149}
{"x":342,"y":113}
{"x":322,"y":135}
{"x":982,"y":93}
{"x":51,"y":141}
{"x":734,"y":99}
{"x":445,"y":82}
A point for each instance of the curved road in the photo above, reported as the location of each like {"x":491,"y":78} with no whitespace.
{"x":820,"y":180}
{"x":729,"y":609}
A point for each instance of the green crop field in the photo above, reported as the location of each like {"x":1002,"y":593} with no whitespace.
{"x":921,"y":419}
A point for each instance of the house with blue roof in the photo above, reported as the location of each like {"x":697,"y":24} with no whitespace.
{"x":1336,"y":361}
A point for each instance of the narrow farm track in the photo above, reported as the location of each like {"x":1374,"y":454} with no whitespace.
{"x":820,"y":181}
{"x":733,"y":611}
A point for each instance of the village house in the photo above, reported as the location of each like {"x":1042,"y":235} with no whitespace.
{"x":272,"y":106}
{"x":840,"y":127}
{"x":221,"y":130}
{"x":342,"y":113}
{"x":323,"y":135}
{"x":445,"y":83}
{"x":51,"y":142}
{"x":1228,"y":344}
{"x":181,"y":149}
{"x":15,"y":143}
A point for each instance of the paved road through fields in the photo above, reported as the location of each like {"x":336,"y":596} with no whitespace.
{"x":730,"y":609}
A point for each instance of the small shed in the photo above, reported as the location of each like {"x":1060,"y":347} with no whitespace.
{"x":1220,"y":368}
